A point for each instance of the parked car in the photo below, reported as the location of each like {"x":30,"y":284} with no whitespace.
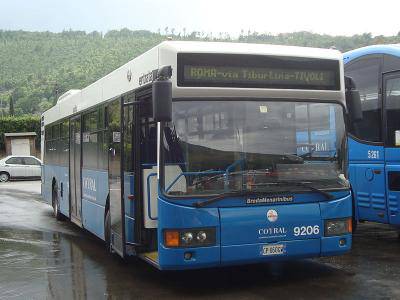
{"x":20,"y":166}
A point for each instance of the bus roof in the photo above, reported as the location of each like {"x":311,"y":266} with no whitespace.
{"x":140,"y":71}
{"x":247,"y":48}
{"x":393,"y":49}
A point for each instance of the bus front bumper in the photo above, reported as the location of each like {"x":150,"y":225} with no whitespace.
{"x":217,"y":256}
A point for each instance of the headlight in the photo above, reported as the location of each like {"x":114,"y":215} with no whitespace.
{"x":196,"y":237}
{"x":187,"y":238}
{"x":338,"y":227}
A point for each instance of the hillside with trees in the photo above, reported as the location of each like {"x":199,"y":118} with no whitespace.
{"x":37,"y":67}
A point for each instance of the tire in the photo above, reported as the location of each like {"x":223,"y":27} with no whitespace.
{"x":56,"y":204}
{"x":107,"y":230}
{"x":4,"y":177}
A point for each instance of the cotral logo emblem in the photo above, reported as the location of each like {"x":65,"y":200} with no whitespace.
{"x":272,"y":215}
{"x":129,"y":75}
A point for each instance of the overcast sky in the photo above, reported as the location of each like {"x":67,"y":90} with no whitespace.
{"x":340,"y":17}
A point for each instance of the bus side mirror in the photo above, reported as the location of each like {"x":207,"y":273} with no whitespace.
{"x":353,"y":101}
{"x":162,"y":96}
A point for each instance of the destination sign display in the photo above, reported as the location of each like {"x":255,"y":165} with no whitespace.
{"x":269,"y":76}
{"x":257,"y":71}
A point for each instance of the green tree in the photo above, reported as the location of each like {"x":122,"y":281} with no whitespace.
{"x":37,"y":67}
{"x":11,"y":109}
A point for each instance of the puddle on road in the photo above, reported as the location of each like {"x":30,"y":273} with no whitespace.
{"x":36,"y":264}
{"x":41,"y":258}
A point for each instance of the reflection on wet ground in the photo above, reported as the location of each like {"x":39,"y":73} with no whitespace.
{"x":41,"y":258}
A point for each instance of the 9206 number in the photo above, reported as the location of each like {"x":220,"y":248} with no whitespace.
{"x":306,"y":230}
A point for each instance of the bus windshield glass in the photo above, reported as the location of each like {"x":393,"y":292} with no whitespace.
{"x":214,"y":147}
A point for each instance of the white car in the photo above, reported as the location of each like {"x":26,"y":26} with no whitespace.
{"x":20,"y":166}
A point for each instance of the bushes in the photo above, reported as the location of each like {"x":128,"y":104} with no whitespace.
{"x":25,"y":123}
{"x":37,"y":67}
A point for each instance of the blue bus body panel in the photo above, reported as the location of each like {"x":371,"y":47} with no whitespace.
{"x":374,"y":49}
{"x":392,"y":157}
{"x":173,"y":216}
{"x":361,"y":153}
{"x":48,"y":175}
{"x":61,"y":175}
{"x":331,"y":245}
{"x":94,"y":196}
{"x":336,"y":209}
{"x":243,"y":231}
{"x":242,"y":225}
{"x":367,"y":176}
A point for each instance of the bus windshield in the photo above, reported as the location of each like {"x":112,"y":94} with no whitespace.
{"x":214,"y":147}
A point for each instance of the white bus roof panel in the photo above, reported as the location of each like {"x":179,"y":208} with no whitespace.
{"x":129,"y":76}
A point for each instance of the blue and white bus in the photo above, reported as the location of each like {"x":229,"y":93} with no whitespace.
{"x":374,"y":153}
{"x":199,"y":154}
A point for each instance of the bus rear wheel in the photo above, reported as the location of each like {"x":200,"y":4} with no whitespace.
{"x":56,"y":204}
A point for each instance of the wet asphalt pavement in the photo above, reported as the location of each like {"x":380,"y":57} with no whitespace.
{"x":42,"y":258}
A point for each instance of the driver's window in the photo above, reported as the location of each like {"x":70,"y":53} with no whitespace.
{"x":365,"y":73}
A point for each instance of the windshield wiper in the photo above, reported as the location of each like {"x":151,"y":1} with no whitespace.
{"x":293,"y":158}
{"x":307,"y":185}
{"x":236,"y":193}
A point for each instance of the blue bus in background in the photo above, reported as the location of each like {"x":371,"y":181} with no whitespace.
{"x":374,"y":141}
{"x":319,"y":140}
{"x":198,"y":155}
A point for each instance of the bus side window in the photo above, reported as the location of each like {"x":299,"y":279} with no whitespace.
{"x":392,"y":111}
{"x":94,"y":141}
{"x":365,"y":73}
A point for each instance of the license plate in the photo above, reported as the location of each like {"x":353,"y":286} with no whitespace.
{"x":277,"y":249}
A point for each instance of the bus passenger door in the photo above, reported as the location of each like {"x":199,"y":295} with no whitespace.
{"x":117,"y":214}
{"x":129,"y":166}
{"x":75,"y":171}
{"x":391,"y":96}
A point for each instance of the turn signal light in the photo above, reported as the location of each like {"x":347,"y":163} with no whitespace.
{"x":171,"y":238}
{"x":350,"y":225}
{"x":193,"y":237}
